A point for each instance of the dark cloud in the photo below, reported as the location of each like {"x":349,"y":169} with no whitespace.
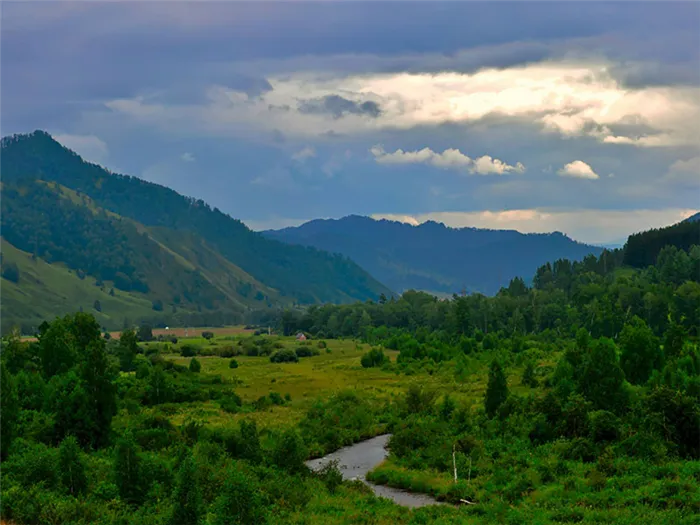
{"x":338,"y":107}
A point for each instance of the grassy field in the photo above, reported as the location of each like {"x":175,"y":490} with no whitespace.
{"x":337,"y":368}
{"x":45,"y":290}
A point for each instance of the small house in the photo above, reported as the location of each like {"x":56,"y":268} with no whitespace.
{"x":301,"y":337}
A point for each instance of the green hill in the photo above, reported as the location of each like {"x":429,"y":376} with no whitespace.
{"x":172,"y":255}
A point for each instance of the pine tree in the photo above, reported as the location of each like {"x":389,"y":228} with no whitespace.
{"x":497,"y":389}
{"x":71,"y":468}
{"x":187,"y":496}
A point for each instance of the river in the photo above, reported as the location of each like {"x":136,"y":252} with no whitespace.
{"x":357,"y":460}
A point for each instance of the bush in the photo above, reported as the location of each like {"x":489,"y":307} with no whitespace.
{"x":284,"y":356}
{"x":305,"y":351}
{"x":322,"y":344}
{"x":10,"y":271}
{"x":276,"y":398}
{"x":374,"y":358}
{"x":604,"y":426}
{"x":233,"y":363}
{"x":195,"y":366}
{"x":208,"y":335}
{"x":188,"y":351}
{"x":230,"y":402}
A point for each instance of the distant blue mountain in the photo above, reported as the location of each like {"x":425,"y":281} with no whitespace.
{"x":693,"y":218}
{"x":432,"y":256}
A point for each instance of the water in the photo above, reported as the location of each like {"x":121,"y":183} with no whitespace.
{"x":357,"y":460}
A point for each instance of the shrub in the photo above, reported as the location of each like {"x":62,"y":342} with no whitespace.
{"x":230,"y":402}
{"x":10,"y":271}
{"x":276,"y":398}
{"x":233,"y":363}
{"x":195,"y":366}
{"x":374,"y":358}
{"x":284,"y":356}
{"x":305,"y":351}
{"x":208,"y":335}
{"x":331,"y":476}
{"x":604,"y":426}
{"x":188,"y":351}
{"x":322,"y":344}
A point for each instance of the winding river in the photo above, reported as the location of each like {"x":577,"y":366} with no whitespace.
{"x":357,"y":460}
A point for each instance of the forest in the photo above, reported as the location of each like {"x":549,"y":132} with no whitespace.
{"x":575,"y":400}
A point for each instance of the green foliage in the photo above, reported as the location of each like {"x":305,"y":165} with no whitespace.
{"x":602,"y":380}
{"x":233,"y":363}
{"x":128,"y":348}
{"x":374,"y":358}
{"x":195,"y":365}
{"x":641,"y":354}
{"x":127,"y":470}
{"x":290,"y":452}
{"x":497,"y":389}
{"x":285,"y":355}
{"x":529,"y":378}
{"x":188,"y":351}
{"x":208,"y":335}
{"x":9,"y":405}
{"x":10,"y":271}
{"x":239,"y":501}
{"x":145,"y":333}
{"x":187,"y":498}
{"x":70,"y":467}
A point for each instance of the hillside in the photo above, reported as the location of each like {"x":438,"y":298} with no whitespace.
{"x":433,"y":257}
{"x":643,"y":248}
{"x":146,"y":241}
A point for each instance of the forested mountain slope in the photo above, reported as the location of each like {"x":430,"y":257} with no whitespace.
{"x":434,"y":257}
{"x":144,"y":239}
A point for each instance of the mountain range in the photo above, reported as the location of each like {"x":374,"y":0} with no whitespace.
{"x":433,"y":257}
{"x":77,"y":236}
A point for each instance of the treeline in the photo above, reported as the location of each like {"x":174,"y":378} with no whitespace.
{"x":642,"y":249}
{"x":597,"y":294}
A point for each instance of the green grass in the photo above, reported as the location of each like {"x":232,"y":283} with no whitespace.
{"x":47,"y":290}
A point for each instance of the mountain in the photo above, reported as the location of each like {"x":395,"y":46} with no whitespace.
{"x":433,"y":257}
{"x":642,"y":249}
{"x":143,"y":243}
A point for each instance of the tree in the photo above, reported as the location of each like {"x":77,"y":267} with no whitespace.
{"x":97,"y":378}
{"x":529,"y":378}
{"x":239,"y":501}
{"x":128,"y":348}
{"x":187,"y":497}
{"x":290,"y":452}
{"x":602,"y":379}
{"x":674,"y":337}
{"x":145,"y":333}
{"x":641,"y":354}
{"x":97,"y":306}
{"x":10,"y":406}
{"x":208,"y":335}
{"x":497,"y":389}
{"x":71,"y":468}
{"x":195,"y":366}
{"x":127,"y":463}
{"x":10,"y":271}
{"x":250,"y":442}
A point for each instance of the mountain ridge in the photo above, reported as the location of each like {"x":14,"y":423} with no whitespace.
{"x":384,"y":248}
{"x":150,"y":238}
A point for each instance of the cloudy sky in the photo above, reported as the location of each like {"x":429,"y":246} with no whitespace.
{"x":582,"y":117}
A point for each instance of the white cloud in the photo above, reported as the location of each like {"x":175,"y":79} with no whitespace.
{"x":448,"y":159}
{"x":586,"y":225}
{"x":90,"y":147}
{"x":303,"y":154}
{"x":579,"y":170}
{"x":187,"y":157}
{"x":570,"y":98}
{"x":684,"y":172}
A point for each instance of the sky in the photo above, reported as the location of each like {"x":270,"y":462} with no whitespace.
{"x":580,"y":117}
